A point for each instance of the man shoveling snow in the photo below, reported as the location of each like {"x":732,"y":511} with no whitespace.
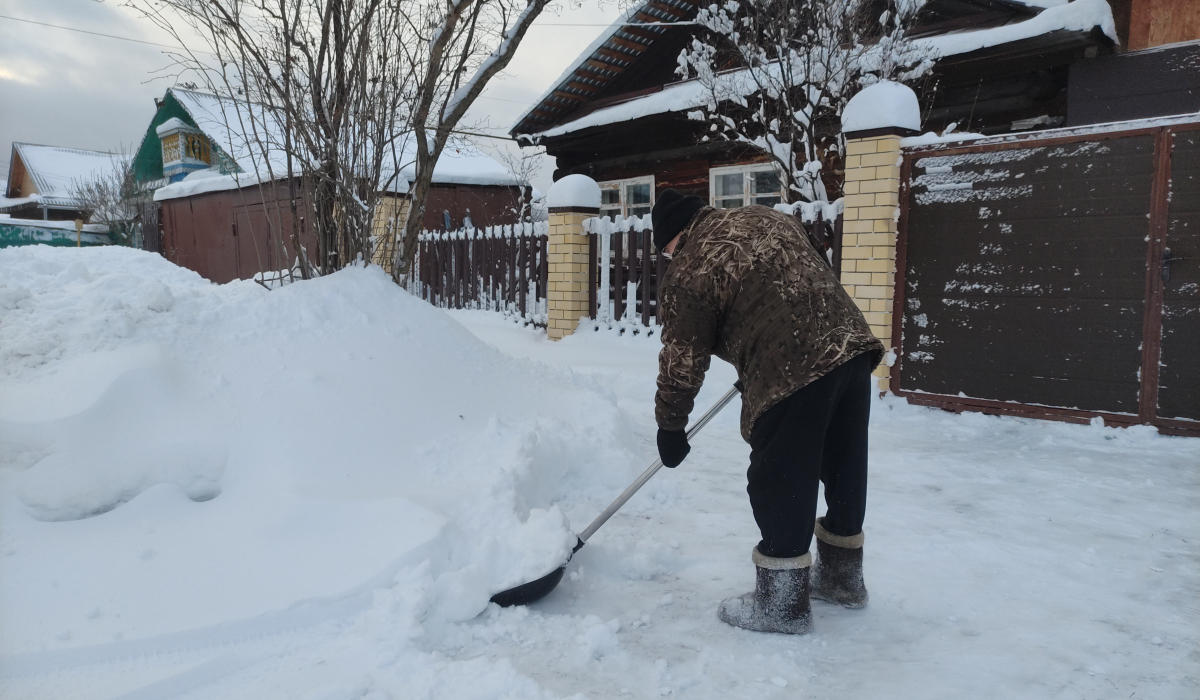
{"x":745,"y":284}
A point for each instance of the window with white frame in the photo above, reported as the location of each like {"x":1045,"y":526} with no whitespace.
{"x":741,"y":185}
{"x":632,"y":197}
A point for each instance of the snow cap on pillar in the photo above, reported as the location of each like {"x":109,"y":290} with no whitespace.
{"x":883,"y":108}
{"x":574,"y":193}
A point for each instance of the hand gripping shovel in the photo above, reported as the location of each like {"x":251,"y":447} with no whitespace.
{"x":535,"y":590}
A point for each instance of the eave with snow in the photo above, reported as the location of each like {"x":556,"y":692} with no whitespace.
{"x":226,"y":200}
{"x":191,"y":133}
{"x":618,"y":113}
{"x":40,"y":179}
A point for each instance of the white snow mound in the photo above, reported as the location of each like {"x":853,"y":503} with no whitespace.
{"x":177,"y":454}
{"x":574,"y":191}
{"x":884,"y":104}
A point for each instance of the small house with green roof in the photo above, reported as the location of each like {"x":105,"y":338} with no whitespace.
{"x":220,"y":178}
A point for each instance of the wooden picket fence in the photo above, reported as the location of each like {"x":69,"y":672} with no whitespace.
{"x":499,"y":268}
{"x":634,"y":266}
{"x":504,"y":269}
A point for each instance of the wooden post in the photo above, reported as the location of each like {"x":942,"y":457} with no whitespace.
{"x":644,"y":277}
{"x":523,"y":250}
{"x":659,"y":270}
{"x":592,"y":245}
{"x":544,"y":272}
{"x":618,"y":276}
{"x":78,"y":233}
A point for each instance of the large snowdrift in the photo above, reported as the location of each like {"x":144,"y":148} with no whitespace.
{"x":178,"y":454}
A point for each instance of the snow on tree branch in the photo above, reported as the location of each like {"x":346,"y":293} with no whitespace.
{"x":779,"y":72}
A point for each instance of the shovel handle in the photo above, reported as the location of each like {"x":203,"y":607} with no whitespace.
{"x":641,"y":480}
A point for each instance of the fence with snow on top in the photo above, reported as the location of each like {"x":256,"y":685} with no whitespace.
{"x":623,"y":285}
{"x":498,"y":268}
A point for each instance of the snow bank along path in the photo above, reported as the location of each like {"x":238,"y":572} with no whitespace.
{"x":220,"y":492}
{"x":177,"y":455}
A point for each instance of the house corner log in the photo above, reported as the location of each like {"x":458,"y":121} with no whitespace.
{"x":872,"y":199}
{"x":567,"y":291}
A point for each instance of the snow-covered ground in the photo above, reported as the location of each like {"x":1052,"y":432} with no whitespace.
{"x":223,"y":492}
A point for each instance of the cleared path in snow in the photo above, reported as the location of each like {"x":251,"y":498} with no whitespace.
{"x":1006,"y":558}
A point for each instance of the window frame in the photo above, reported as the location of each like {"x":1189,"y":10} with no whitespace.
{"x":619,"y":186}
{"x":746,"y":170}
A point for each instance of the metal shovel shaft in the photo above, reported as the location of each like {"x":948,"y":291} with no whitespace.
{"x":641,"y":480}
{"x":535,"y":590}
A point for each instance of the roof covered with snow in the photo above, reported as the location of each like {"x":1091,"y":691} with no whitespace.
{"x":1078,"y":16}
{"x":53,"y":170}
{"x":253,"y":138}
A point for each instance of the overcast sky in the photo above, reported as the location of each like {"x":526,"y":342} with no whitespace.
{"x":67,"y":88}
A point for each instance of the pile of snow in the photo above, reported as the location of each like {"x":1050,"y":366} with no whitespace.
{"x":931,"y":138}
{"x":7,"y":202}
{"x":205,"y":181}
{"x":882,"y":105}
{"x":1077,"y":16}
{"x":179,"y":455}
{"x":578,"y":191}
{"x":172,"y":124}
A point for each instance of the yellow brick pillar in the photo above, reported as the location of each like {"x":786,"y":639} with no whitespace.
{"x":570,"y":200}
{"x":872,"y":201}
{"x":873,"y":122}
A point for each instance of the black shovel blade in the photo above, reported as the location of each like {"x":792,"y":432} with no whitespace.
{"x":527,"y":593}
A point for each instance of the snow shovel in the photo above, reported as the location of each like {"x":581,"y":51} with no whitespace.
{"x":536,"y":590}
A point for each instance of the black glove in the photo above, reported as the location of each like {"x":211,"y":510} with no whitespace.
{"x":672,"y":447}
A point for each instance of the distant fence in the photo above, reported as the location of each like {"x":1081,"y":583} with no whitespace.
{"x":632,"y":268}
{"x":498,"y":268}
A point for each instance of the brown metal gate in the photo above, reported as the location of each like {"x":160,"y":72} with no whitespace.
{"x":1053,"y":277}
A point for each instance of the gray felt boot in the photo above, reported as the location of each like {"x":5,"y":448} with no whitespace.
{"x":838,"y":573}
{"x":779,"y":601}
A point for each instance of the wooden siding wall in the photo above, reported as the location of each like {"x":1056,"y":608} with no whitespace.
{"x":235,"y":234}
{"x":231,"y":235}
{"x":489,"y":206}
{"x":1158,"y":22}
{"x":1136,"y":85}
{"x":23,"y":184}
{"x":688,"y":175}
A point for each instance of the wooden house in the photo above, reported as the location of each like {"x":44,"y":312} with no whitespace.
{"x":224,"y":216}
{"x":618,"y":113}
{"x":40,"y":180}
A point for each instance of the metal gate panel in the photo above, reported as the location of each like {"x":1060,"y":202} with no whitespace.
{"x":1179,"y":271}
{"x":1024,"y":273}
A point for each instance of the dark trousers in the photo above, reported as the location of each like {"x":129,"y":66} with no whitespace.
{"x":817,"y":433}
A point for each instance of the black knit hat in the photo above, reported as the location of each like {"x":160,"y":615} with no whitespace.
{"x":671,"y":214}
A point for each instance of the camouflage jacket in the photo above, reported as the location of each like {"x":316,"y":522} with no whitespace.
{"x":746,"y":285}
